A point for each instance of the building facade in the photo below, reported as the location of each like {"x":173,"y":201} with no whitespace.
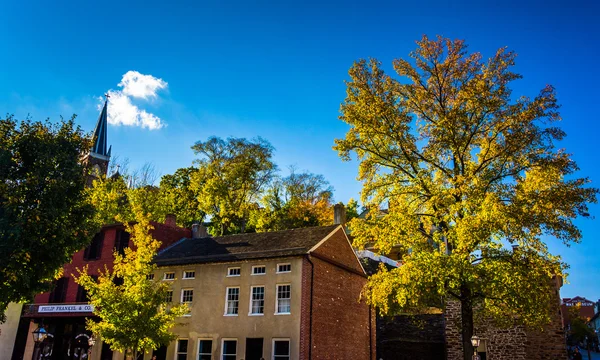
{"x":285,"y":295}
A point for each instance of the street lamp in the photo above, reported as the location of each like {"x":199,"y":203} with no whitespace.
{"x":475,"y":340}
{"x":39,"y":334}
{"x":91,"y":341}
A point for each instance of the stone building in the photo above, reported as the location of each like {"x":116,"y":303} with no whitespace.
{"x":291,"y":294}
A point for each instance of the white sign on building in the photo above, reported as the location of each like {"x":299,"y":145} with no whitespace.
{"x":65,"y":308}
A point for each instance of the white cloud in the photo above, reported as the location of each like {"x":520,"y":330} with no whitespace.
{"x":122,"y":111}
{"x":141,"y":86}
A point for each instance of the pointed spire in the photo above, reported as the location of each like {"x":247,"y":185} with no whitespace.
{"x":109,"y":150}
{"x":99,"y":146}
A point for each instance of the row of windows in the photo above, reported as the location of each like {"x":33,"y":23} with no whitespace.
{"x":229,"y":349}
{"x":94,"y":250}
{"x":257,"y":299}
{"x":232,"y":271}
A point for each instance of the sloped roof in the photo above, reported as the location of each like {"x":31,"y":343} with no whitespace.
{"x":99,"y":146}
{"x":243,"y":246}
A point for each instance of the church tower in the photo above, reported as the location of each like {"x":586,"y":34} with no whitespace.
{"x":98,"y":158}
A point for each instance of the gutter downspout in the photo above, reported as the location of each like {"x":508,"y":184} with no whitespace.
{"x":312,"y":276}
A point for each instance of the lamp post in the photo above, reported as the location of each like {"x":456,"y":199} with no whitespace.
{"x":39,"y":335}
{"x":475,"y":342}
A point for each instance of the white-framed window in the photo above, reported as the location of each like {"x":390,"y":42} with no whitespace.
{"x":281,"y":349}
{"x":259,"y":270}
{"x":169,"y":276}
{"x":205,"y":349}
{"x":187,"y":295}
{"x":284,"y":298}
{"x":284,"y":268}
{"x":182,"y":349}
{"x":150,"y":277}
{"x":234,"y":271}
{"x":257,"y":300}
{"x":189,"y":274}
{"x":232,"y":301}
{"x":229,"y":349}
{"x":169,"y":296}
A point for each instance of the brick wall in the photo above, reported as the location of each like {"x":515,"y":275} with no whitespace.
{"x":164,"y":233}
{"x":343,"y":327}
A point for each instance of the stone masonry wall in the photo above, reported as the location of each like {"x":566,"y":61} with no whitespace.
{"x":515,"y":343}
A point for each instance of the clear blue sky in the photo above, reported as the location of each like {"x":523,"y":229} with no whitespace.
{"x":276,"y":69}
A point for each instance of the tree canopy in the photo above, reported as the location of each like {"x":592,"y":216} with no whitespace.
{"x":231,"y":176}
{"x":298,"y":200}
{"x":465,"y":169}
{"x":43,"y":207}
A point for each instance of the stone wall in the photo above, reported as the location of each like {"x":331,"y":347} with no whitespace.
{"x":515,"y":343}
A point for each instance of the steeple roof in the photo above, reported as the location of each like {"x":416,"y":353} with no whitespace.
{"x":99,"y":137}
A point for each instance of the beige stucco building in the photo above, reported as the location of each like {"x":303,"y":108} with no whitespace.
{"x":283,"y":295}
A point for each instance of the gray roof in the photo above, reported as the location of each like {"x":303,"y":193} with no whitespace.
{"x":264,"y":245}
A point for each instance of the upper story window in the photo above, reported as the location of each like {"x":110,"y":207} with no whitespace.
{"x":187,"y":295}
{"x":169,"y":296}
{"x":121,"y":241}
{"x":94,"y":250}
{"x":257,"y":301}
{"x":259,"y":270}
{"x":82,"y":294}
{"x":284,"y":268}
{"x":59,"y":294}
{"x":189,"y":274}
{"x":234,"y":271}
{"x":150,"y":277}
{"x":232,"y":301}
{"x":284,"y":297}
{"x":169,"y":276}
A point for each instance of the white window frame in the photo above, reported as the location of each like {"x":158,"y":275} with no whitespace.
{"x":212,"y":346}
{"x":277,"y":299}
{"x":231,"y":268}
{"x":223,"y":346}
{"x":171,"y":292}
{"x":256,"y":267}
{"x":227,"y":300}
{"x":284,"y":272}
{"x":165,"y":276}
{"x":273,"y":347}
{"x":250,"y":313}
{"x":187,"y":353}
{"x":181,"y":297}
{"x":184,"y":275}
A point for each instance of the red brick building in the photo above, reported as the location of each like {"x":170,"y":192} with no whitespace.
{"x":586,"y":308}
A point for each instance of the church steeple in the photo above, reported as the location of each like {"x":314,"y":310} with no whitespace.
{"x":99,"y":156}
{"x":99,"y":147}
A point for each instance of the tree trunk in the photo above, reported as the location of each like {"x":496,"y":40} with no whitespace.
{"x":466,"y":312}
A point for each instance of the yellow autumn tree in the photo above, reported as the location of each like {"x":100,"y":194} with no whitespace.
{"x":465,"y":169}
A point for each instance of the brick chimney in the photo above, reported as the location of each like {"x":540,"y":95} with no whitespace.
{"x":171,"y":220}
{"x":199,"y":231}
{"x":339,"y":214}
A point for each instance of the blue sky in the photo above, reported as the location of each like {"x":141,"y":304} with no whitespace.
{"x":276,"y":68}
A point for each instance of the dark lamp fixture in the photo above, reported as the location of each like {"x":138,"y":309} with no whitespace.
{"x":39,"y":334}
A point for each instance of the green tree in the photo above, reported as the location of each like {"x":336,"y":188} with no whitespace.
{"x":465,"y":170}
{"x":352,"y":210}
{"x":180,"y":198}
{"x":298,"y":200}
{"x":43,"y":207}
{"x":133,"y":314}
{"x":230,"y":179}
